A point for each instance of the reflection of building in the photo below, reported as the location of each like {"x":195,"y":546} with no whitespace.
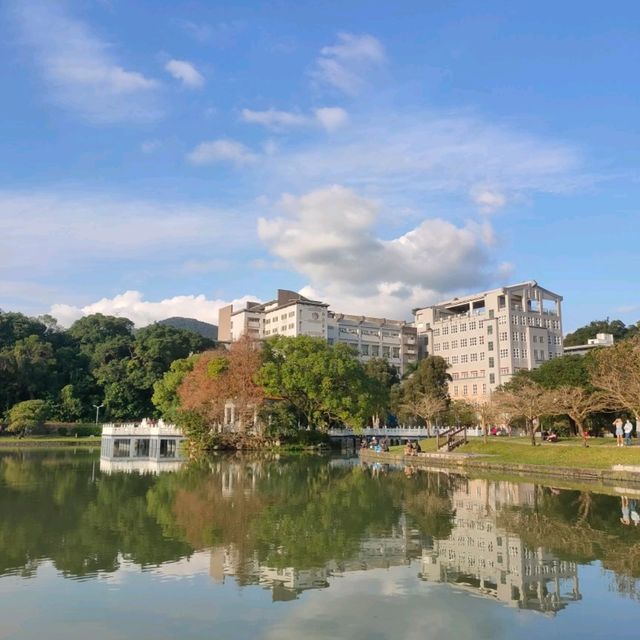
{"x":147,"y":447}
{"x":398,"y":548}
{"x":481,"y":557}
{"x":291,"y":314}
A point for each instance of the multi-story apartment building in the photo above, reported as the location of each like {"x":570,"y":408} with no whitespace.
{"x":487,"y":337}
{"x":291,"y":314}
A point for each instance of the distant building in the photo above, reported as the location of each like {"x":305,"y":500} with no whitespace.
{"x":601,"y":340}
{"x":487,"y":337}
{"x":291,"y":314}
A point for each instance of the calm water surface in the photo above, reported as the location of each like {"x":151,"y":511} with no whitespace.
{"x":306,"y":547}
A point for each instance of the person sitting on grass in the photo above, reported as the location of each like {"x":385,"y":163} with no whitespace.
{"x":408,"y":449}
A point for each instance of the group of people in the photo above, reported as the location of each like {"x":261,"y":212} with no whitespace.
{"x":412,"y":448}
{"x":624,"y":432}
{"x":378,"y":446}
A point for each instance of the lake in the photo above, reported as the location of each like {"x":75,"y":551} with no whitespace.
{"x":305,"y":546}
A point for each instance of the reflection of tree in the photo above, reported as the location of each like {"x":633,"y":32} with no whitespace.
{"x":579,"y":526}
{"x":57,"y":512}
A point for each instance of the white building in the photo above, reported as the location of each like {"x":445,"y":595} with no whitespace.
{"x":291,"y":314}
{"x":487,"y":337}
{"x":601,"y":340}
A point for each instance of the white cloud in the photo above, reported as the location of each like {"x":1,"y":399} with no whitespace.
{"x":222,"y":150}
{"x":132,"y":305}
{"x":488,"y":200}
{"x":275,"y":119}
{"x":407,"y":156}
{"x":346,"y":64}
{"x":329,"y":118}
{"x":329,"y":237}
{"x":186,"y":73}
{"x":80,"y":69}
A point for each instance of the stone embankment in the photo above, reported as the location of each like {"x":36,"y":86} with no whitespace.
{"x":466,"y":463}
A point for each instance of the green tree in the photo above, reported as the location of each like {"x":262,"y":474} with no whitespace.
{"x":383,"y":376}
{"x":27,"y":416}
{"x":165,"y":391}
{"x":70,"y":406}
{"x":617,"y":328}
{"x":326,"y":384}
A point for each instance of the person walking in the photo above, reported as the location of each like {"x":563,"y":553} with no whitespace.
{"x":617,"y":423}
{"x":628,"y":431}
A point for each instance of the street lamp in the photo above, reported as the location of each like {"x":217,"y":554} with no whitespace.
{"x":97,"y":408}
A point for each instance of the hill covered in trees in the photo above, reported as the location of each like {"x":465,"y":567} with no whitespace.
{"x":205,"y":329}
{"x":98,"y":360}
{"x":617,"y":328}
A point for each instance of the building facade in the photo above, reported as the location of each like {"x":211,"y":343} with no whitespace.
{"x":487,"y":337}
{"x":601,"y":340}
{"x":291,"y":314}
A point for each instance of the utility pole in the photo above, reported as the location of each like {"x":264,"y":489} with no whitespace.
{"x":97,"y":408}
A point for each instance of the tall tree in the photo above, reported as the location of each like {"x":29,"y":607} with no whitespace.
{"x":326,"y":384}
{"x":616,"y":370}
{"x":383,"y":376}
{"x":579,"y":403}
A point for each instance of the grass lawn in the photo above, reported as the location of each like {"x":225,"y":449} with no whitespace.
{"x":601,"y":453}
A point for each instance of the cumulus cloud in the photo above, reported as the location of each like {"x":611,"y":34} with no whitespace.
{"x":346,"y":64}
{"x":328,"y":235}
{"x":186,"y":73}
{"x":223,"y":150}
{"x":132,"y":305}
{"x":488,"y":200}
{"x":81,"y":70}
{"x":329,"y":118}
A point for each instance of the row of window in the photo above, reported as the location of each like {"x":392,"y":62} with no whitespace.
{"x":468,"y":374}
{"x":535,"y":321}
{"x":465,"y":389}
{"x":462,"y":327}
{"x":374,"y":351}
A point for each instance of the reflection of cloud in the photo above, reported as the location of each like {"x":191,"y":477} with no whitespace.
{"x":387,"y":604}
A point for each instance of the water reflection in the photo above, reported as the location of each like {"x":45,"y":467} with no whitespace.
{"x":290,"y":525}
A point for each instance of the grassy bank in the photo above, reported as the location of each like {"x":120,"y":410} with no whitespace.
{"x":49,"y":441}
{"x":601,"y":453}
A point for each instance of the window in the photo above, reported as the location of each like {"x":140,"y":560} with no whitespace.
{"x":502,"y":320}
{"x":463,"y":326}
{"x":490,"y":346}
{"x":121,"y":448}
{"x":454,"y":359}
{"x":516,"y":352}
{"x":454,"y":328}
{"x":455,"y":376}
{"x":481,"y":339}
{"x":474,"y":389}
{"x":365,"y":349}
{"x":464,"y":390}
{"x":515,"y":320}
{"x":395,"y":352}
{"x":504,"y":335}
{"x":464,"y":374}
{"x":472,"y":325}
{"x":454,"y":344}
{"x":484,"y":388}
{"x":375,"y":350}
{"x":482,"y":355}
{"x":463,"y":342}
{"x":473,"y":374}
{"x":455,"y":390}
{"x":445,"y":331}
{"x":524,"y":352}
{"x":480,"y":324}
{"x":385,"y":352}
{"x":504,"y":353}
{"x":489,"y":329}
{"x":473,"y":342}
{"x":474,"y":357}
{"x":445,"y":345}
{"x":492,"y":378}
{"x":436,"y":333}
{"x":504,"y":371}
{"x":464,"y":358}
{"x":491,"y":363}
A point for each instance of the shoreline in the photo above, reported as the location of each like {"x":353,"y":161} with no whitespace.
{"x":26,"y":443}
{"x":468,"y":463}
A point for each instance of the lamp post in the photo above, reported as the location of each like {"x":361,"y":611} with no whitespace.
{"x":97,"y":408}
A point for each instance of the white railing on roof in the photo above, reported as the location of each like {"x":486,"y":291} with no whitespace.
{"x":145,"y":427}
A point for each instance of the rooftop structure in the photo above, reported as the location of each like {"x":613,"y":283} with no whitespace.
{"x":486,"y":337}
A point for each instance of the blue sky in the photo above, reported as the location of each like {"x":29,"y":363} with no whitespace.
{"x":164,"y":158}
